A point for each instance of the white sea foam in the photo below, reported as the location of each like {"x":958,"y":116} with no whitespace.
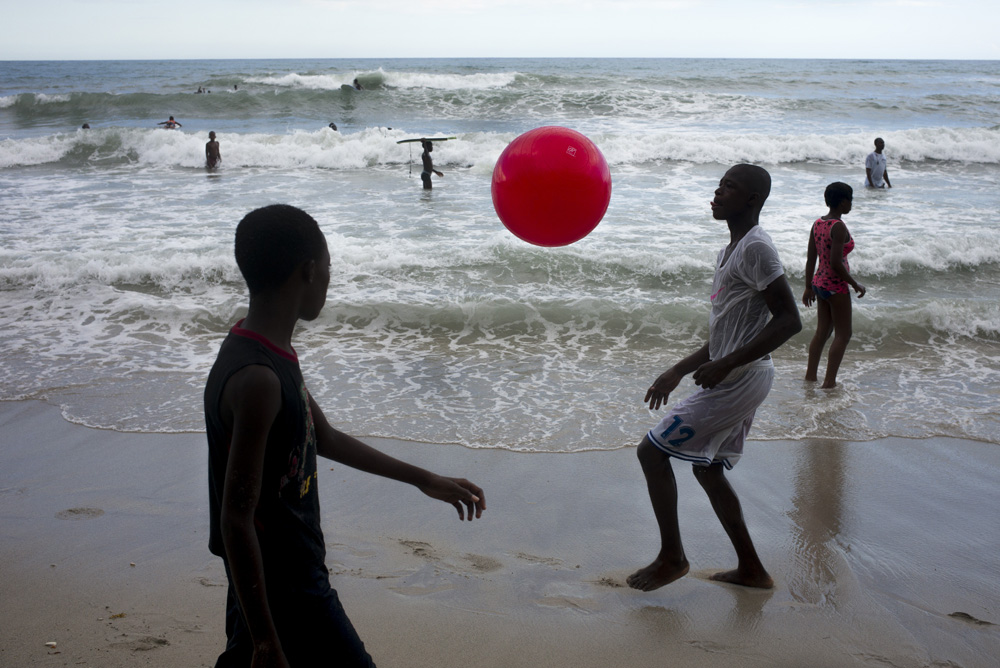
{"x":437,"y":81}
{"x":36,"y":98}
{"x":325,"y":149}
{"x":26,"y":152}
{"x":894,"y":256}
{"x":43,"y":98}
{"x":313,"y":81}
{"x":401,"y":80}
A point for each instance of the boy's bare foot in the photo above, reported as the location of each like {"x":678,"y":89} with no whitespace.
{"x":828,"y":385}
{"x":811,"y":378}
{"x":657,"y":574}
{"x":757,"y":579}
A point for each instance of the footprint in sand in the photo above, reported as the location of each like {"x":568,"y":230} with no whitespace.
{"x":142,"y":643}
{"x":419,"y":548}
{"x":353,"y":551}
{"x":472,"y":562}
{"x":147,"y":643}
{"x":483,"y":564}
{"x":79,"y":513}
{"x":546,"y":561}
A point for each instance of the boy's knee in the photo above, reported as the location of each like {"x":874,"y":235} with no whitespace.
{"x":706,"y":475}
{"x":649,"y":455}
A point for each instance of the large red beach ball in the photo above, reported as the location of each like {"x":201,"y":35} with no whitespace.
{"x":551,"y":186}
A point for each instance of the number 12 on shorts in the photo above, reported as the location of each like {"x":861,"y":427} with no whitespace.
{"x":683,"y":434}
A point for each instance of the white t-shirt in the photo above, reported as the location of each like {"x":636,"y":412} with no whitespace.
{"x":876,"y":163}
{"x":739,"y":311}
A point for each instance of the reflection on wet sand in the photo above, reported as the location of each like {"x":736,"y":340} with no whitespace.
{"x":817,"y":516}
{"x":747,"y":614}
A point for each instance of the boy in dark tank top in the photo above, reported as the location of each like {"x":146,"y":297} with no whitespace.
{"x":264,"y":433}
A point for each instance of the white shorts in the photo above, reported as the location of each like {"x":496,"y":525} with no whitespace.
{"x":710,"y":426}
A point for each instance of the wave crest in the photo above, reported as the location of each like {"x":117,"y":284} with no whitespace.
{"x":375,"y":146}
{"x":382,"y":79}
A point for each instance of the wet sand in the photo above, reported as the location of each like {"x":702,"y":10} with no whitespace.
{"x":883,"y":553}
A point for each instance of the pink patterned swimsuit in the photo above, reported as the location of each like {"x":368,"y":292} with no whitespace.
{"x":825,"y":277}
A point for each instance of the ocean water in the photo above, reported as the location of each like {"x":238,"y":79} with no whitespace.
{"x":117,"y":281}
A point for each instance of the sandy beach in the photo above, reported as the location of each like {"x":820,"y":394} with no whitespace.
{"x":884,"y":554}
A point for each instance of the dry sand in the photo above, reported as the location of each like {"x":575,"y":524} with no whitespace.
{"x":884,"y":554}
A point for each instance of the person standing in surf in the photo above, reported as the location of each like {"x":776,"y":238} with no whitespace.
{"x":425,"y":175}
{"x":213,"y":156}
{"x":753,"y":313}
{"x":876,"y":174}
{"x":828,"y":285}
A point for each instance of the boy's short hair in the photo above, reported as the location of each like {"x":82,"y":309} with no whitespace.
{"x":837,"y":192}
{"x":272,"y":241}
{"x":756,"y":179}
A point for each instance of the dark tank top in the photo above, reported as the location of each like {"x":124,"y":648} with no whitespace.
{"x":287,"y":517}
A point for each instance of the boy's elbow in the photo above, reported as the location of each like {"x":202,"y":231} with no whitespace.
{"x":787,"y":324}
{"x":794,"y":325}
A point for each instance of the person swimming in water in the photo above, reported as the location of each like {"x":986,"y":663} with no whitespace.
{"x":170,"y":124}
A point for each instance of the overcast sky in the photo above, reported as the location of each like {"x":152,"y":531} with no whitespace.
{"x":141,"y":29}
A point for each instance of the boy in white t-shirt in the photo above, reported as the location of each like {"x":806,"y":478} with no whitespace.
{"x":753,"y":313}
{"x":876,"y":174}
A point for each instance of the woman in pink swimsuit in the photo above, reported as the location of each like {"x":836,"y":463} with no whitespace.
{"x":827,"y":279}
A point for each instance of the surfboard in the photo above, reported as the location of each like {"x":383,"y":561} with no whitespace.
{"x":407,"y":141}
{"x":348,"y":87}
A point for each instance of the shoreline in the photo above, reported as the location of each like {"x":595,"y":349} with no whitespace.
{"x":883,"y":553}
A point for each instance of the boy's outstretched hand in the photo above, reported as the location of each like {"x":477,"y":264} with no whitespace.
{"x":457,"y":491}
{"x":660,"y":390}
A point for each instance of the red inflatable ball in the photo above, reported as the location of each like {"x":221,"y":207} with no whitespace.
{"x":551,"y":186}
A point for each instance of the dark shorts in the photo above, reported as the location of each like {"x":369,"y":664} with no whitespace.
{"x":823,"y":294}
{"x":426,"y":178}
{"x":313,"y":628}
